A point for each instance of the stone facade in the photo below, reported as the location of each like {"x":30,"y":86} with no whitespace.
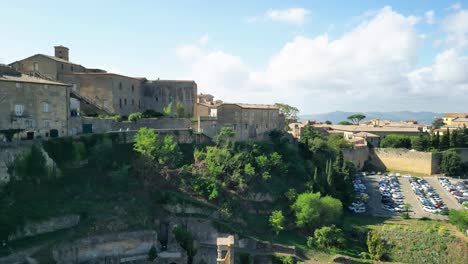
{"x":247,"y":121}
{"x":405,"y":160}
{"x":38,"y":106}
{"x":114,"y":93}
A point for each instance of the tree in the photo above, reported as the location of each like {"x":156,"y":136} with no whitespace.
{"x":164,"y":152}
{"x":396,"y":141}
{"x":375,"y":245}
{"x":451,"y":163}
{"x":180,"y":110}
{"x":457,"y":139}
{"x":436,"y":141}
{"x":277,"y":221}
{"x":356,"y":118}
{"x":445,"y":141}
{"x":225,"y":136}
{"x":459,"y":218}
{"x":328,"y":122}
{"x":145,"y":142}
{"x":313,"y":211}
{"x":168,"y":109}
{"x":329,"y":236}
{"x":10,"y":133}
{"x":438,"y":122}
{"x":185,"y":240}
{"x":152,"y":254}
{"x":344,"y":122}
{"x":133,"y":117}
{"x":421,"y":143}
{"x":287,"y":110}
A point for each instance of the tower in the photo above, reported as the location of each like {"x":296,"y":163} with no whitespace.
{"x":61,"y":52}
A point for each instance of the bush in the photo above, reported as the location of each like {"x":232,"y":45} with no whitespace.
{"x":185,"y":240}
{"x":311,"y":210}
{"x":329,"y":237}
{"x":459,"y":218}
{"x":151,"y":113}
{"x":152,"y":254}
{"x":133,"y":117}
{"x":451,"y":163}
{"x":396,"y":141}
{"x":375,"y":245}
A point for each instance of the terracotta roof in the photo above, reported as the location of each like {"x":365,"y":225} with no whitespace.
{"x":29,"y":79}
{"x":452,"y":115}
{"x":366,"y":134}
{"x":253,"y":106}
{"x":353,"y":128}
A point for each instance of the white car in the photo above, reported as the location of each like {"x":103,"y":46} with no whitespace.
{"x":430,"y":209}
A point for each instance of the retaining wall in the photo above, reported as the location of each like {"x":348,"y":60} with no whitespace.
{"x":405,"y":160}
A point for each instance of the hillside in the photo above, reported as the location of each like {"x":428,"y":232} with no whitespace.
{"x":335,"y":117}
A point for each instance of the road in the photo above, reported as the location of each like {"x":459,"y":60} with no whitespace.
{"x":447,"y":197}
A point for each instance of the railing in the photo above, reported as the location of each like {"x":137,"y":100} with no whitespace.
{"x":93,"y":102}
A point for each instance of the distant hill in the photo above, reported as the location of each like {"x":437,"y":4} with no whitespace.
{"x":335,"y":117}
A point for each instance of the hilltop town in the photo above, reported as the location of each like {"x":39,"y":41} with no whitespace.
{"x":98,"y":167}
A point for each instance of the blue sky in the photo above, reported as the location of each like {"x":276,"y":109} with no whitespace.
{"x":318,"y":55}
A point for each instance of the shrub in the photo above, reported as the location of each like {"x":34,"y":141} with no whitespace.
{"x":152,"y":254}
{"x":311,"y":210}
{"x":277,"y":221}
{"x":375,"y":245}
{"x":451,"y":163}
{"x":133,"y":117}
{"x":329,"y":236}
{"x":117,"y":118}
{"x":396,"y":141}
{"x":185,"y":240}
{"x":151,"y":113}
{"x":459,"y":218}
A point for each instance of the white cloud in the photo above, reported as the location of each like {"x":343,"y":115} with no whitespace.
{"x":371,"y":67}
{"x":204,"y":39}
{"x":429,"y":16}
{"x":456,"y":6}
{"x":456,"y":26}
{"x":296,"y":15}
{"x":446,"y":76}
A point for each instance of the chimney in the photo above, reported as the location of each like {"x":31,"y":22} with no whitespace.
{"x":61,"y":52}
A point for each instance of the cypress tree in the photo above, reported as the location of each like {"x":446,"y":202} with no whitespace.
{"x":445,"y":141}
{"x":436,"y":140}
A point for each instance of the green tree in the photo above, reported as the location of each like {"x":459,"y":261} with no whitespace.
{"x":145,"y":142}
{"x":133,"y":117}
{"x":225,"y":136}
{"x":313,"y":211}
{"x":438,"y":122}
{"x":457,"y":139}
{"x":185,"y":240}
{"x":180,"y":110}
{"x":356,"y":118}
{"x":329,"y":237}
{"x":328,"y":122}
{"x":375,"y":245}
{"x":152,"y":254}
{"x":445,"y":140}
{"x":421,"y":143}
{"x":277,"y":221}
{"x":168,"y":109}
{"x":287,"y":110}
{"x":396,"y":141}
{"x":451,"y":163}
{"x":436,"y":141}
{"x":164,"y":152}
{"x":344,"y":122}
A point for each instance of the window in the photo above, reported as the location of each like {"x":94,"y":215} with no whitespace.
{"x":46,"y":86}
{"x":120,"y":86}
{"x":62,"y":66}
{"x":133,"y":102}
{"x":36,"y":66}
{"x":120,"y":102}
{"x":246,"y":126}
{"x":138,"y":103}
{"x":133,"y":88}
{"x":19,"y":110}
{"x":235,"y":126}
{"x":157,"y":99}
{"x":47,"y":123}
{"x":46,"y":107}
{"x":71,"y":68}
{"x":125,"y":101}
{"x":18,"y":85}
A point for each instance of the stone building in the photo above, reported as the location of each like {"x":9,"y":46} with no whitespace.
{"x":37,"y":106}
{"x":95,"y":91}
{"x":448,"y":118}
{"x":249,"y":121}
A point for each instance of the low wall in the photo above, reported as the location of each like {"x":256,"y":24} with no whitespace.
{"x":357,"y":155}
{"x":120,"y":245}
{"x":405,"y":160}
{"x":47,"y":226}
{"x":103,"y":125}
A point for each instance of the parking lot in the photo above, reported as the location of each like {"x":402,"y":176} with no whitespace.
{"x":376,"y":208}
{"x":444,"y":194}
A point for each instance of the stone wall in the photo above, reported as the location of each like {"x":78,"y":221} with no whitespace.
{"x":405,"y":160}
{"x":119,"y":245}
{"x":47,"y":226}
{"x":357,"y":155}
{"x":104,"y":125}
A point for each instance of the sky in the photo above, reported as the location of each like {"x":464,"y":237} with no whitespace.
{"x":319,"y":56}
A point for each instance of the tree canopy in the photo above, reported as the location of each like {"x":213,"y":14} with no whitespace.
{"x":287,"y":110}
{"x":356,"y":118}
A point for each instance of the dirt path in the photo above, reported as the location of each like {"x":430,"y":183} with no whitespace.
{"x":448,"y":199}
